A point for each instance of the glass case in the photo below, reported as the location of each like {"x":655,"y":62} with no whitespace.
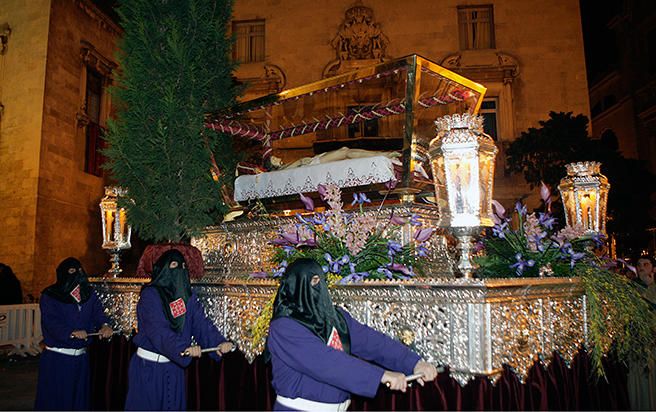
{"x":388,"y":106}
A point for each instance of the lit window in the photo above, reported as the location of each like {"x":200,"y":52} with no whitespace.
{"x":488,"y":110}
{"x":476,"y":24}
{"x":249,"y":41}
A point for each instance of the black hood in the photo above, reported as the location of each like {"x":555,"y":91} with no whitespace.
{"x":173,"y":287}
{"x":72,"y":285}
{"x":310,"y":305}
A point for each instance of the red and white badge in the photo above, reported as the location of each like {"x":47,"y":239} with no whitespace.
{"x":178,"y":308}
{"x":334,"y":341}
{"x":76,"y":294}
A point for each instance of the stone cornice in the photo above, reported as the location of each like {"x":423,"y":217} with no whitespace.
{"x":103,"y":21}
{"x":483,"y":65}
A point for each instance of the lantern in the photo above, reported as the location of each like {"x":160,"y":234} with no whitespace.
{"x":585,"y":194}
{"x":462,"y":160}
{"x":116,"y":230}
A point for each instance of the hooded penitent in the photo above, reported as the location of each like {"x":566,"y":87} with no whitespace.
{"x":310,"y":305}
{"x":171,"y":279}
{"x":72,"y":285}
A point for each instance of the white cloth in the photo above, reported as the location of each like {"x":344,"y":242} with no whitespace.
{"x":301,"y":404}
{"x":68,"y":351}
{"x":343,"y":173}
{"x":151,"y":356}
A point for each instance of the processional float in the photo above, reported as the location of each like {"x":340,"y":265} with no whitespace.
{"x":473,"y":326}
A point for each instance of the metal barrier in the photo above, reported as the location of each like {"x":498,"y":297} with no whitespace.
{"x":20,"y":326}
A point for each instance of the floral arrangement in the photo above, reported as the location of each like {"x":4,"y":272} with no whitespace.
{"x":533,"y":247}
{"x":621,"y":321}
{"x":351,"y":245}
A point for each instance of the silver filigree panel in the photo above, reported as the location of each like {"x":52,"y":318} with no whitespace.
{"x":472,"y":326}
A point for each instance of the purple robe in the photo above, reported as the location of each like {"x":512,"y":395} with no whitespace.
{"x":161,"y":386}
{"x":305,"y":367}
{"x":63,"y":382}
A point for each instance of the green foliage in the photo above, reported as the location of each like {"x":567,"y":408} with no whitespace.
{"x":175,"y":68}
{"x":541,"y":154}
{"x":620,"y":319}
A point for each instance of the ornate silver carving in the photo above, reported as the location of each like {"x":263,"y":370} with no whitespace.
{"x":473,"y":326}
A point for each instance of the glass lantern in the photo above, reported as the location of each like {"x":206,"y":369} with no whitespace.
{"x":585,"y":194}
{"x":116,"y":230}
{"x":462,"y":160}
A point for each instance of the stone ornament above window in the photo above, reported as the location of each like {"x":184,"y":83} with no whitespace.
{"x":93,"y":59}
{"x":483,"y":64}
{"x":359,"y":38}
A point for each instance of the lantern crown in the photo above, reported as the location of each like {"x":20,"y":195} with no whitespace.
{"x":583,"y":168}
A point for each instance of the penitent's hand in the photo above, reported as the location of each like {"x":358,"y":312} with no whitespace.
{"x":79,"y":334}
{"x":394,"y":380}
{"x":428,"y":371}
{"x":224,"y":348}
{"x":106,"y":332}
{"x":193,"y":351}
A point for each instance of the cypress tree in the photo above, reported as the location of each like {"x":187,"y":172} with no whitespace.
{"x":174,"y":68}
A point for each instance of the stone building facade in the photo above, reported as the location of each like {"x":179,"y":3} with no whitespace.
{"x":57,"y":60}
{"x":55,"y":67}
{"x":528,"y":53}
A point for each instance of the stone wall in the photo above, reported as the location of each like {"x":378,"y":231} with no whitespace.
{"x":68,"y":217}
{"x":22,"y":77}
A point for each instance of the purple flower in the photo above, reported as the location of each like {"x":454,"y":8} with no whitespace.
{"x":391,"y":184}
{"x":546,"y":220}
{"x":422,"y":235}
{"x":520,"y":208}
{"x":537,"y":237}
{"x":303,"y":220}
{"x":288,"y":250}
{"x":280,"y":270}
{"x":334,"y":266}
{"x":397,"y":220}
{"x":258,"y":275}
{"x":307,"y":202}
{"x":499,"y":212}
{"x":414,"y":220}
{"x":573,"y":256}
{"x":393,"y":248}
{"x":360,"y":198}
{"x":500,"y":230}
{"x":521,"y":264}
{"x":286,"y":239}
{"x":319,"y":219}
{"x":397,"y":267}
{"x":598,"y":239}
{"x":421,"y":251}
{"x":354,"y":277}
{"x":545,"y":193}
{"x":322,"y":189}
{"x":291,"y":238}
{"x":478,"y":246}
{"x":308,"y":242}
{"x":386,"y":272}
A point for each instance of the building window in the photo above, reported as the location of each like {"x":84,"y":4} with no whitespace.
{"x":366,"y":128}
{"x":94,"y":141}
{"x":476,"y":25}
{"x":249,"y":41}
{"x":489,"y":111}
